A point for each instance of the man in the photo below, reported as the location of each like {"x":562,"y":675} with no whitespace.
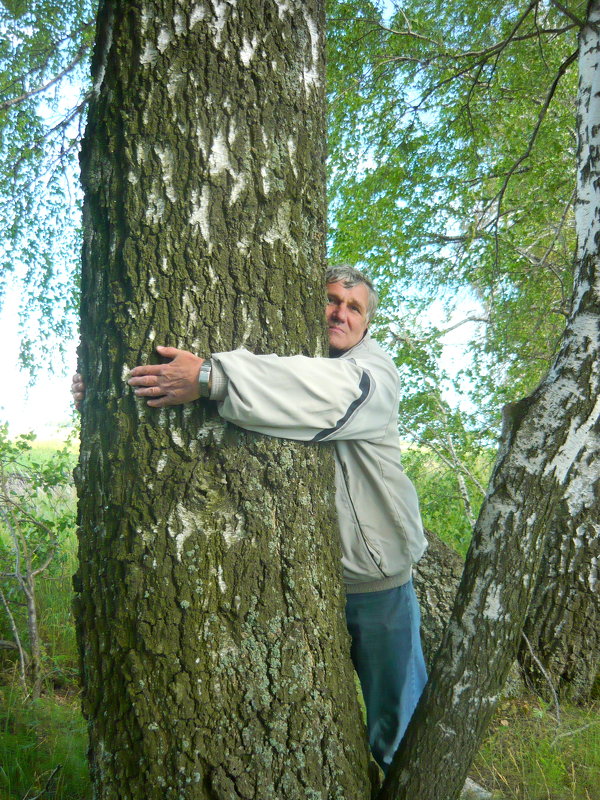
{"x":351,"y":399}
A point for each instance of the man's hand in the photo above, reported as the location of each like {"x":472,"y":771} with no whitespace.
{"x":77,"y":390}
{"x":168,"y":384}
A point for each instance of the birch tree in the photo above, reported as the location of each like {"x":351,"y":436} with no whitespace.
{"x":548,"y":469}
{"x":465,"y":112}
{"x":210,"y":609}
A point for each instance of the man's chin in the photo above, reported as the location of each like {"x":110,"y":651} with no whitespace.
{"x":334,"y":348}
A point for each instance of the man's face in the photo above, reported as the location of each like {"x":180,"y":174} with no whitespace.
{"x":346,"y":314}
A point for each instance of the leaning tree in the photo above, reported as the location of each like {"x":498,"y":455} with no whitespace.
{"x":547,"y":474}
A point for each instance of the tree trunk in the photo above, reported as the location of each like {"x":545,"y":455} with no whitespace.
{"x":213,"y":647}
{"x":548,"y":468}
{"x":436,"y":579}
{"x":563,"y":623}
{"x":35,"y":642}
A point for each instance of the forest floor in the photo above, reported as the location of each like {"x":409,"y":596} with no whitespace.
{"x":532,"y":751}
{"x":526,"y":755}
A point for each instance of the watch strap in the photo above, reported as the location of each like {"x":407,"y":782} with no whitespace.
{"x":204,"y":378}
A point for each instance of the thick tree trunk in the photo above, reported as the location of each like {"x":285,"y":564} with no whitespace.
{"x":214,"y":652}
{"x":563,"y":622}
{"x":548,"y":467}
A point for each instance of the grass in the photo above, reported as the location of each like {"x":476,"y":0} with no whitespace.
{"x":527,"y":756}
{"x":35,"y":738}
{"x":55,"y":595}
{"x":44,"y":449}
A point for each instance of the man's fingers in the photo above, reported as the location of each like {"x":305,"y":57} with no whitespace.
{"x":160,"y":403}
{"x":144,"y":380}
{"x":168,"y":352}
{"x":149,"y":391}
{"x":147,"y":369}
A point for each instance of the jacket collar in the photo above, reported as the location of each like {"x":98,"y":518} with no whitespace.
{"x":349,"y":353}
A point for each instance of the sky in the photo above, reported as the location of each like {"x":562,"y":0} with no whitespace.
{"x":44,"y":408}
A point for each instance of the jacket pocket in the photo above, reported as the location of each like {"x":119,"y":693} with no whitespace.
{"x":360,"y":554}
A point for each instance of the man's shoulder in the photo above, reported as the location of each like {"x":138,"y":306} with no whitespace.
{"x":369,"y":355}
{"x":369,"y":349}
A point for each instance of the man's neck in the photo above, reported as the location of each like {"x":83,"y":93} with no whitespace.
{"x":334,"y":353}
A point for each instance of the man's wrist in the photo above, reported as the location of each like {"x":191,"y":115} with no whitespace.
{"x":204,"y":378}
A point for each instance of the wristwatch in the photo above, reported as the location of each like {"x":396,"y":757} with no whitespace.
{"x":204,"y":378}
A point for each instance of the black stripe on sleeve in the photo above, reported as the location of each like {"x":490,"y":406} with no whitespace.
{"x":365,"y":389}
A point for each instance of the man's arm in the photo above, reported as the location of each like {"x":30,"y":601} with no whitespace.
{"x":310,"y":399}
{"x":167,"y":384}
{"x":295,"y":397}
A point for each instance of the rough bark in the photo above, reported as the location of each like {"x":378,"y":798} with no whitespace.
{"x":563,"y":623}
{"x":548,"y":467}
{"x":213,"y":648}
{"x":436,"y":579}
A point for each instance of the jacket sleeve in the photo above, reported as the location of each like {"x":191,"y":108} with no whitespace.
{"x":310,"y":399}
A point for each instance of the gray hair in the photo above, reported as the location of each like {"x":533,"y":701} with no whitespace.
{"x":349,"y":277}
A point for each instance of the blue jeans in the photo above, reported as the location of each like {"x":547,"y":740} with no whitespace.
{"x":387,"y":656}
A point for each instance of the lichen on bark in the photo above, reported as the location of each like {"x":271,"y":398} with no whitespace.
{"x":210,"y":610}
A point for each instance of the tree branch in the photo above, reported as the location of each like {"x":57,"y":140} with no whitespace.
{"x":48,"y":52}
{"x":559,"y":228}
{"x":548,"y":99}
{"x":444,"y":459}
{"x":16,"y":100}
{"x":48,"y":787}
{"x":546,"y":675}
{"x":18,"y":644}
{"x":398,"y":337}
{"x":568,"y":13}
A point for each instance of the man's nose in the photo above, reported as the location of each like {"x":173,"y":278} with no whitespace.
{"x":341,"y":312}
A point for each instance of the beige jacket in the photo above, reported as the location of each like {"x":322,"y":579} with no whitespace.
{"x":353,"y":402}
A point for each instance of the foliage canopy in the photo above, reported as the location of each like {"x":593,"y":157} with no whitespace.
{"x":452,"y":152}
{"x":44,"y":52}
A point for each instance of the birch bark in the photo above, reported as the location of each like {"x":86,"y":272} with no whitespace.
{"x":563,"y":623}
{"x":213,"y":647}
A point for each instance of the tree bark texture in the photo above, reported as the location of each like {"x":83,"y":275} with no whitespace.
{"x":548,"y":468}
{"x":436,"y":578}
{"x":563,"y":622}
{"x":210,"y":609}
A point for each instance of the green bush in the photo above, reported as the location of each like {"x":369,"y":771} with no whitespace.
{"x":442,"y":506}
{"x":37,"y":559}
